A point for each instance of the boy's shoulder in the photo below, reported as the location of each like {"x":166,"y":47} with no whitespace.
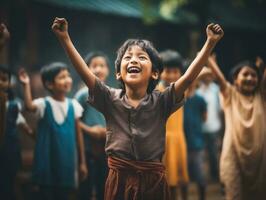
{"x":114,"y":93}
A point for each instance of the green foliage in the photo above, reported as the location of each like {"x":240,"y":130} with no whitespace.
{"x":168,"y":7}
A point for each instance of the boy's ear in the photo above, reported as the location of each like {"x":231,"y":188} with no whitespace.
{"x":155,"y":75}
{"x":118,"y":76}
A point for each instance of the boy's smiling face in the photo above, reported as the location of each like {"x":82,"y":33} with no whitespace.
{"x":136,"y":68}
{"x":62,"y":82}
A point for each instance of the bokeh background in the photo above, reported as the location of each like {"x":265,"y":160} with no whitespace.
{"x":105,"y":24}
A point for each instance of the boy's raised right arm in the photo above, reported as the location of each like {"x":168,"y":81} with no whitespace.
{"x":60,"y":28}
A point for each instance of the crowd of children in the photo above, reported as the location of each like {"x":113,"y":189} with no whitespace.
{"x":146,"y":140}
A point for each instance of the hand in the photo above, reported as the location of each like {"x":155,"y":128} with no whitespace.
{"x":60,"y":27}
{"x":83,"y":171}
{"x":4,"y":34}
{"x":214,"y":32}
{"x":23,"y":76}
{"x":259,"y":62}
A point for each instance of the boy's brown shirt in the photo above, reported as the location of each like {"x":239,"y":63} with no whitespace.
{"x":135,"y":133}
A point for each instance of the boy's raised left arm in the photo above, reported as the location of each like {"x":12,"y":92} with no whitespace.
{"x":214,"y":34}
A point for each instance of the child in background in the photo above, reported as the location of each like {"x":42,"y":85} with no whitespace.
{"x":94,"y":126}
{"x":10,"y":119}
{"x":59,"y":141}
{"x":4,"y":37}
{"x":209,"y":90}
{"x":175,"y":157}
{"x":136,"y":114}
{"x":195,"y":113}
{"x":243,"y":157}
{"x":10,"y":151}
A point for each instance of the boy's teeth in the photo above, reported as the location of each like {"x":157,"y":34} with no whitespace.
{"x":133,"y":70}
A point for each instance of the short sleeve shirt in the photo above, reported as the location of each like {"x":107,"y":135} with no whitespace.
{"x":135,"y":133}
{"x":59,"y":108}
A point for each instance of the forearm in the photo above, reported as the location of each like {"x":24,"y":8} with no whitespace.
{"x":93,"y":131}
{"x":28,"y":98}
{"x":77,"y":61}
{"x":195,"y":67}
{"x":80,"y":141}
{"x":218,"y":74}
{"x":200,"y":61}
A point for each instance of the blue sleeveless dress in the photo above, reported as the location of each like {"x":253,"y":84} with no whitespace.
{"x":10,"y":151}
{"x":55,"y":159}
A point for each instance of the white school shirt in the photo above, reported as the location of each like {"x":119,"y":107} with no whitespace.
{"x":59,"y":108}
{"x":210,"y":94}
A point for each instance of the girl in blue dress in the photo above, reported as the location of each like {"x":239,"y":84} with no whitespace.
{"x":59,"y":143}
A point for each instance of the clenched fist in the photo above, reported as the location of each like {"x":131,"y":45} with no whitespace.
{"x":214,"y":32}
{"x":60,"y":27}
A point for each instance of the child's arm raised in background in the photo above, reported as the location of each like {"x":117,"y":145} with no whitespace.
{"x":214,"y":34}
{"x":212,"y":64}
{"x":25,"y":80}
{"x":262,"y":68}
{"x":4,"y":35}
{"x":60,"y":28}
{"x":83,"y":171}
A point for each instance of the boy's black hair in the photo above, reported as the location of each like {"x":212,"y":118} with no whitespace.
{"x":146,"y":46}
{"x":236,"y":69}
{"x":172,"y":59}
{"x":88,"y":58}
{"x":5,"y":70}
{"x":49,"y":72}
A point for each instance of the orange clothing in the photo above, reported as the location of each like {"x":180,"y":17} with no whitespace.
{"x":175,"y":157}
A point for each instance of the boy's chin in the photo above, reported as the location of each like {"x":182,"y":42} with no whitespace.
{"x":134,"y":83}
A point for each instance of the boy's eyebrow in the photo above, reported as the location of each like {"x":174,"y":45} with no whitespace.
{"x":140,"y":53}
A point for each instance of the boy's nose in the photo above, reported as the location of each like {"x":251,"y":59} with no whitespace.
{"x":133,"y":60}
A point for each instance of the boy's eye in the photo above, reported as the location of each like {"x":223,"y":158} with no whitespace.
{"x":142,"y":58}
{"x":127,"y":57}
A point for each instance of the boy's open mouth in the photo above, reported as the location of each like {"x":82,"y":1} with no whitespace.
{"x":133,"y":69}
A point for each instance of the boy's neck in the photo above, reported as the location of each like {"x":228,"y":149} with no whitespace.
{"x":59,"y":97}
{"x":135,"y":95}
